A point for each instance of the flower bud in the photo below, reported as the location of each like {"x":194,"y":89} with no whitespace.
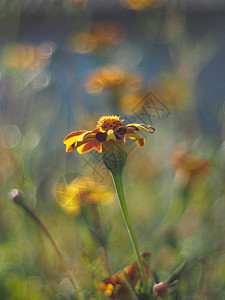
{"x":16,"y":196}
{"x":160,"y":289}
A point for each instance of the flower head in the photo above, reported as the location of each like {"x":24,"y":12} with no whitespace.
{"x":111,"y":77}
{"x":108,"y":137}
{"x":108,"y":129}
{"x":116,"y":286}
{"x":81,"y":191}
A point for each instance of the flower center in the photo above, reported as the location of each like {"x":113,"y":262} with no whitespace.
{"x":109,"y":122}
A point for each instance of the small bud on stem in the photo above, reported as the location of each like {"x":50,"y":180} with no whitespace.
{"x":160,"y":289}
{"x":17,"y":197}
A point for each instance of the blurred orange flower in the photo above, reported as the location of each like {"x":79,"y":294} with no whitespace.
{"x":116,"y":286}
{"x":112,"y":77}
{"x":141,"y":4}
{"x":187,"y":166}
{"x":27,"y":56}
{"x":81,"y":191}
{"x":100,"y":35}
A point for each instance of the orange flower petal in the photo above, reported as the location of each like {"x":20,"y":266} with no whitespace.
{"x":84,"y":138}
{"x":87,"y":147}
{"x":73,"y":134}
{"x":98,"y":147}
{"x":139,"y":127}
{"x":140,"y":141}
{"x":71,"y":139}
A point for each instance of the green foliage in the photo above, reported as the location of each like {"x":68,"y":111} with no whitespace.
{"x":176,"y":211}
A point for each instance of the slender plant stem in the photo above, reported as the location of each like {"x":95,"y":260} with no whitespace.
{"x":117,"y":178}
{"x":59,"y":255}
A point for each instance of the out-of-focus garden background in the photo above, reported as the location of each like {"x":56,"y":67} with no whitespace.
{"x":64,"y":64}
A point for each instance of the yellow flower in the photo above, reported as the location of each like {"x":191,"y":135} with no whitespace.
{"x":111,"y":77}
{"x":100,"y":35}
{"x":81,"y":191}
{"x":109,"y":128}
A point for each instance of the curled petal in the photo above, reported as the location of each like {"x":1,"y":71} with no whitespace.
{"x":85,"y":136}
{"x":88,"y":136}
{"x":83,"y":140}
{"x":148,"y":128}
{"x":87,"y":147}
{"x":140,"y":141}
{"x":139,"y":127}
{"x":73,"y":134}
{"x":132,"y":127}
{"x":91,"y":138}
{"x":71,"y":139}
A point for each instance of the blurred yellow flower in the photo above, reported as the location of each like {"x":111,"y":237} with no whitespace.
{"x":26,"y":56}
{"x":112,"y":77}
{"x":100,"y":35}
{"x":81,"y":191}
{"x":131,"y":101}
{"x":174,"y":93}
{"x":187,"y":166}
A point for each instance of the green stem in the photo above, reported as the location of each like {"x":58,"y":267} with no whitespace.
{"x":117,"y":178}
{"x":129,"y":285}
{"x":60,"y":258}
